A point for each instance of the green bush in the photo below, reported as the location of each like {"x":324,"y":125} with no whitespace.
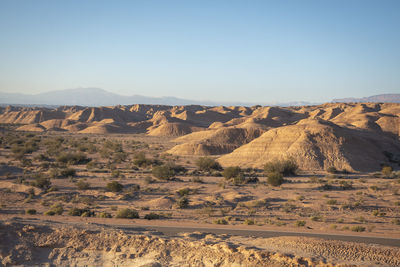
{"x":114,"y":186}
{"x":285,"y":167}
{"x":82,"y":185}
{"x":116,"y":174}
{"x":30,"y":211}
{"x":358,"y":228}
{"x":140,"y":160}
{"x":331,"y":202}
{"x":68,"y":172}
{"x":231,"y":172}
{"x":153,"y":216}
{"x":387,"y":170}
{"x":183,"y":192}
{"x":127,"y":214}
{"x":73,"y":158}
{"x":42,"y":182}
{"x":300,"y":223}
{"x":220,"y":221}
{"x":86,"y":212}
{"x":56,"y":209}
{"x":163,"y":172}
{"x":275,"y":178}
{"x":182,"y":203}
{"x":331,"y":169}
{"x":249,"y":222}
{"x":104,"y":215}
{"x":208,"y":164}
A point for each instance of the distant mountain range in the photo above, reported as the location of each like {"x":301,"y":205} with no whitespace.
{"x":95,"y":97}
{"x":384,"y":98}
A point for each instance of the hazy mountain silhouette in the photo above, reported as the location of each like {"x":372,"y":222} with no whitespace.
{"x":384,"y":98}
{"x":95,"y":97}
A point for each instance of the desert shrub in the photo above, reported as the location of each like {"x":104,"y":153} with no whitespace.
{"x":300,"y":223}
{"x":30,"y":211}
{"x":239,"y":179}
{"x":50,"y":213}
{"x":357,"y":228}
{"x":249,"y":222}
{"x":42,"y":182}
{"x":56,"y":209}
{"x":177,"y":169}
{"x":220,"y":221}
{"x":183,"y":192}
{"x":120,"y":157}
{"x":127,"y":214}
{"x":346,"y":185}
{"x":104,"y":215}
{"x":331,"y":202}
{"x":153,"y":216}
{"x":315,"y":218}
{"x":396,"y":221}
{"x":114,"y":186}
{"x":140,"y":160}
{"x":275,"y":178}
{"x":86,"y":212}
{"x":82,"y":185}
{"x":163,"y":172}
{"x":73,"y":158}
{"x":182,"y":203}
{"x":197,"y":180}
{"x":207,"y":164}
{"x":360,"y":219}
{"x":378,"y":213}
{"x":91,"y":165}
{"x":387,"y":171}
{"x":231,"y":172}
{"x":331,"y":169}
{"x":285,"y":167}
{"x":68,"y":172}
{"x":116,"y":174}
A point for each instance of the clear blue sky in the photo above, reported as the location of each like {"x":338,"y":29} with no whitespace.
{"x":258,"y":51}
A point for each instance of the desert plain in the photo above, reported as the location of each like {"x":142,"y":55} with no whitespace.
{"x":310,"y":185}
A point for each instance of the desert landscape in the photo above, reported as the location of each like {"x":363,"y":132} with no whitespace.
{"x":90,"y":185}
{"x":170,"y":133}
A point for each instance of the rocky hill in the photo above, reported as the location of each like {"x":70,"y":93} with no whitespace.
{"x":353,"y":136}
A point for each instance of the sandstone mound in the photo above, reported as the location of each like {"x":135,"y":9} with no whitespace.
{"x":173,"y":129}
{"x":107,"y":128}
{"x":162,"y":120}
{"x":214,"y":142}
{"x":164,"y":202}
{"x":36,"y":127}
{"x":316,"y":145}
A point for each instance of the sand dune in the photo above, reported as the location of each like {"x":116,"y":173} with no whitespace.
{"x":316,"y":145}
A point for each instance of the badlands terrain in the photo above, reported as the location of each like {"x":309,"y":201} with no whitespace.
{"x":85,"y":185}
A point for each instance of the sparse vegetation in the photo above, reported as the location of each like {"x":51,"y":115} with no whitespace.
{"x":127,"y":214}
{"x":163,"y":172}
{"x":82,"y":185}
{"x":208,"y":164}
{"x":114,"y":186}
{"x":284,"y":167}
{"x":275,"y":178}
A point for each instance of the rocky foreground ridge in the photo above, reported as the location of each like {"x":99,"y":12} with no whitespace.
{"x":33,"y":245}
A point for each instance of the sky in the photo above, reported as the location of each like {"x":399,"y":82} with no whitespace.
{"x":253,"y":51}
